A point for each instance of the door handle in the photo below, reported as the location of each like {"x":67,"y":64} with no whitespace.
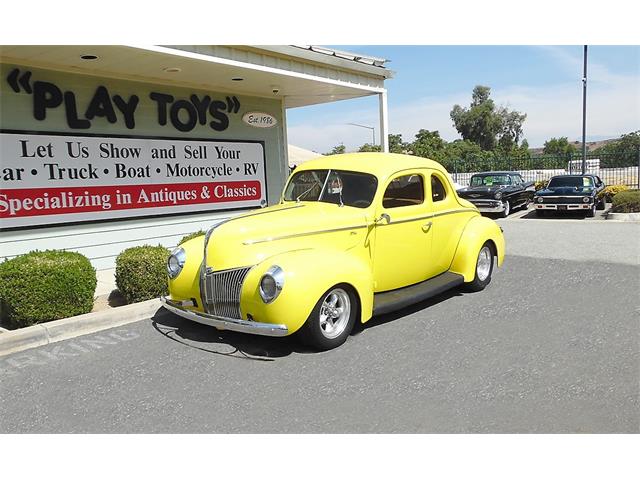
{"x":426,"y":227}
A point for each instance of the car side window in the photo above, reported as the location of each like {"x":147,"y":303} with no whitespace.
{"x":438,"y":192}
{"x":403,"y":191}
{"x":518,"y":180}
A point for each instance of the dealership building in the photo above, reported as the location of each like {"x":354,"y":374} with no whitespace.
{"x":107,"y":147}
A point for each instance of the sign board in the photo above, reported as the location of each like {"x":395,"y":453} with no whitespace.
{"x":53,"y":178}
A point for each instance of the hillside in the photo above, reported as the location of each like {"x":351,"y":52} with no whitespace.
{"x":578,"y":144}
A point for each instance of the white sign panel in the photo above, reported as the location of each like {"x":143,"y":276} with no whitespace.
{"x":51,"y":179}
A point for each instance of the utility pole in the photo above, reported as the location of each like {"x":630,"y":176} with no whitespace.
{"x":584,"y":113}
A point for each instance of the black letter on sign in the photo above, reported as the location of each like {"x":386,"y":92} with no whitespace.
{"x":100,"y":106}
{"x":201,"y":106}
{"x":45,"y":95}
{"x":175,"y":117}
{"x":72,"y":115}
{"x":128,"y":109}
{"x":221,"y":121}
{"x":162,"y":101}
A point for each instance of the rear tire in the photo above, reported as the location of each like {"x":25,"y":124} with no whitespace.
{"x":332,"y":318}
{"x":484,"y":269}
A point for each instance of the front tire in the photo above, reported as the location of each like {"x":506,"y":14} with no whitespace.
{"x":507,"y":209}
{"x":484,"y":269}
{"x":592,"y":211}
{"x":332,"y":318}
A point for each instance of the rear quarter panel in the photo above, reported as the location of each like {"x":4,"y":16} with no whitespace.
{"x":477,"y":231}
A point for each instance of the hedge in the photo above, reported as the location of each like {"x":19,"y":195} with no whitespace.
{"x":41,"y":286}
{"x":611,"y":191}
{"x":626,"y":202}
{"x":141,"y":273}
{"x":190,"y":236}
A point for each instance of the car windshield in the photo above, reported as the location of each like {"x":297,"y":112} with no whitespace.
{"x":489,"y":180}
{"x":341,"y":187}
{"x":577,"y":182}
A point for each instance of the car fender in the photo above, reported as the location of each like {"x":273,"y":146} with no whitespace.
{"x":476,"y":232}
{"x":187,"y":284}
{"x":308,"y":274}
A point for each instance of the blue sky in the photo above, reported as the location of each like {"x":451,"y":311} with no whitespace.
{"x":542,"y":81}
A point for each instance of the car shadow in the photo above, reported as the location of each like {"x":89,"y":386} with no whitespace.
{"x":259,"y":348}
{"x":552,"y":214}
{"x":224,"y":342}
{"x":378,"y":320}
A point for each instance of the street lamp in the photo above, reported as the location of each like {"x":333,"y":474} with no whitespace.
{"x":373,"y":131}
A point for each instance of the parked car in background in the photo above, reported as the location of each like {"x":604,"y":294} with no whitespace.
{"x":570,"y":193}
{"x":353,"y":235}
{"x":498,"y":192}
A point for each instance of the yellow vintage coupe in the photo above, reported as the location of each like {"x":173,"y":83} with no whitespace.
{"x":353,"y":236}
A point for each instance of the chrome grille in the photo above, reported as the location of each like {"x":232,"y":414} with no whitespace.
{"x":222,"y":292}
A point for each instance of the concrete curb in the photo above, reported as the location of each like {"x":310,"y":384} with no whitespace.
{"x":623,"y":217}
{"x":45,"y":333}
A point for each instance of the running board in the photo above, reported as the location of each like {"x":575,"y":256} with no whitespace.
{"x":403,"y":297}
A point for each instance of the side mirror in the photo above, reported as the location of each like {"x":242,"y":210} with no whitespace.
{"x":383,"y":218}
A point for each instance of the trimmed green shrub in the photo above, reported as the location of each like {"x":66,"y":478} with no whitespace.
{"x":190,"y":236}
{"x":626,"y":202}
{"x":43,"y":286}
{"x":141,"y":273}
{"x":610,"y":191}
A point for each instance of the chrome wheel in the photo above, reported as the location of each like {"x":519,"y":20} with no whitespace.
{"x":334,"y":313}
{"x":483,"y":267}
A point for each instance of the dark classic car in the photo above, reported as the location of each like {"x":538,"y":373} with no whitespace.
{"x":498,"y":192}
{"x":570,"y":193}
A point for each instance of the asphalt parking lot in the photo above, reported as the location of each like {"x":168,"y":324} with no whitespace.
{"x":552,"y":345}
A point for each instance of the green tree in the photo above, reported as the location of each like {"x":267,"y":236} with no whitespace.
{"x":396,"y":145}
{"x":338,"y":149}
{"x":558,"y":146}
{"x":367,"y":147}
{"x":428,"y":144}
{"x":486,"y":125}
{"x":620,"y":153}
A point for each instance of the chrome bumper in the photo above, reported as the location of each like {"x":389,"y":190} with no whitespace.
{"x":223,"y":323}
{"x":489,"y":206}
{"x":569,"y":206}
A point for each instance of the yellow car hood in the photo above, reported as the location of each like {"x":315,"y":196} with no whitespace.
{"x":253,"y":237}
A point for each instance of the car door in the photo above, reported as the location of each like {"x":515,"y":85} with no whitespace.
{"x":517,"y":187}
{"x":448,"y":220}
{"x":402,"y":248}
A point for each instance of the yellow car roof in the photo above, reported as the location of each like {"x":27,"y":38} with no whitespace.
{"x":380,"y":164}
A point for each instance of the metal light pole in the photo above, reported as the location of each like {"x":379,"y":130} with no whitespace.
{"x":373,"y":131}
{"x":584,"y":114}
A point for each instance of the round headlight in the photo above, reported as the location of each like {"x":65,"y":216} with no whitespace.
{"x":271,"y":284}
{"x":540,"y":199}
{"x":586,"y":199}
{"x":498,"y":196}
{"x":175,"y":262}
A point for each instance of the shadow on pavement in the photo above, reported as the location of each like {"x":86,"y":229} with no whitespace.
{"x":224,"y":342}
{"x":254,"y":347}
{"x":378,"y":320}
